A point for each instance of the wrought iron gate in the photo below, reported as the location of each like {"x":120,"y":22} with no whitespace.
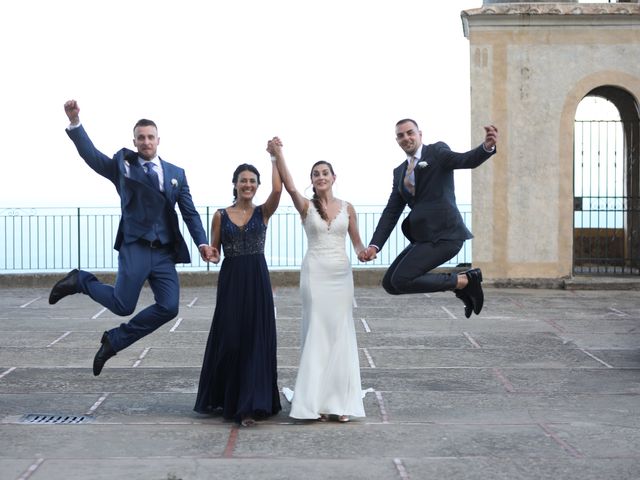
{"x":606,"y":227}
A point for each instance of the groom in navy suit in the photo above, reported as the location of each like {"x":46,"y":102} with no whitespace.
{"x":434,"y":226}
{"x":148,"y":240}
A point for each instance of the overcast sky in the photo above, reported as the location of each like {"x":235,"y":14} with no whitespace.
{"x":220,"y":78}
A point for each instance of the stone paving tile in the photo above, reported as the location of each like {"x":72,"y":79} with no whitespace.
{"x":78,"y":339}
{"x":41,"y":357}
{"x":603,"y":380}
{"x":511,"y":408}
{"x":442,"y":325}
{"x":413,"y":340}
{"x":586,"y":438}
{"x":470,"y":380}
{"x":523,"y":468}
{"x":606,"y":341}
{"x":410,"y":440}
{"x":16,"y":467}
{"x":517,"y":340}
{"x":568,"y":327}
{"x":81,"y":380}
{"x":14,"y":405}
{"x":60,"y":322}
{"x":482,"y":358}
{"x":139,"y":440}
{"x":220,"y":469}
{"x":619,"y":358}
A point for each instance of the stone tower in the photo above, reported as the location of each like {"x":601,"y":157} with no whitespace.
{"x":531,"y":65}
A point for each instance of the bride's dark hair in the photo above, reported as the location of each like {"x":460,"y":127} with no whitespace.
{"x":315,"y":200}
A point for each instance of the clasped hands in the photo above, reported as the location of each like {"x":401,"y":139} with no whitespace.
{"x":274,"y":146}
{"x":209,"y":253}
{"x":367,"y":254}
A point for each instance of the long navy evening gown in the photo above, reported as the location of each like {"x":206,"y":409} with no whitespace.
{"x":239,"y":372}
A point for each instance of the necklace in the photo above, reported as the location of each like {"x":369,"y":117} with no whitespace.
{"x":244,"y":210}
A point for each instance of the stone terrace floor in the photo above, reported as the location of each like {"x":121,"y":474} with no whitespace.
{"x":543,"y":384}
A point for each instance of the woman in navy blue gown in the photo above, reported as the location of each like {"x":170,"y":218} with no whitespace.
{"x":239,"y":372}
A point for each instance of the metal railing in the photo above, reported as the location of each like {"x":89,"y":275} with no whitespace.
{"x":36,"y":240}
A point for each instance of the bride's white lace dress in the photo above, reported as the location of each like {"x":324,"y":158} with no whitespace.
{"x":328,"y":379}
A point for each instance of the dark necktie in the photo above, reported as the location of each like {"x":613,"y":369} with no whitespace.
{"x":408,"y":181}
{"x":151,"y":174}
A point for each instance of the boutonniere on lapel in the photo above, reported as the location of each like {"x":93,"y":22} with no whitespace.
{"x":174,"y":182}
{"x":422,"y":165}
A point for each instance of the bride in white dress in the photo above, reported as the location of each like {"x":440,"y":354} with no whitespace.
{"x":328,"y":381}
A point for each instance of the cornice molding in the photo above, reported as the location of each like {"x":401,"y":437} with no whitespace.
{"x":555,"y":8}
{"x":533,"y":14}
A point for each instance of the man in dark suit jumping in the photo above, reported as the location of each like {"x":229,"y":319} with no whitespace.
{"x":434,"y":226}
{"x":148,"y":240}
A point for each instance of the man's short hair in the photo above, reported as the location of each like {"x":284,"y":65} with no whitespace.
{"x":144,"y":122}
{"x":405,"y":120}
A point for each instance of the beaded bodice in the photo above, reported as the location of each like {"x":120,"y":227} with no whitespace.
{"x":246,"y":240}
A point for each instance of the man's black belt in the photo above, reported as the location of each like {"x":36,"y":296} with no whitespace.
{"x":152,"y":243}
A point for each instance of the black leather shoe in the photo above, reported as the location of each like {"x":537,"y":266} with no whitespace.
{"x":105,"y":352}
{"x":67,"y":286}
{"x":473,"y":290}
{"x":468,"y":305}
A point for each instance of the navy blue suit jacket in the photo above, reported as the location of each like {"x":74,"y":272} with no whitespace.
{"x":434,"y":214}
{"x":140,"y":203}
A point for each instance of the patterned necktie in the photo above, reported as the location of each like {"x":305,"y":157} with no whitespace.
{"x":408,"y":181}
{"x":151,"y":174}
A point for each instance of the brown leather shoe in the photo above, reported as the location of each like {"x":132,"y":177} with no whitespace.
{"x":105,"y":352}
{"x":67,"y":286}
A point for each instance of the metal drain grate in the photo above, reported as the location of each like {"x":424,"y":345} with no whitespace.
{"x":36,"y":419}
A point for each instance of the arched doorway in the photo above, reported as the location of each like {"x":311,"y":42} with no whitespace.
{"x":607,"y":184}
